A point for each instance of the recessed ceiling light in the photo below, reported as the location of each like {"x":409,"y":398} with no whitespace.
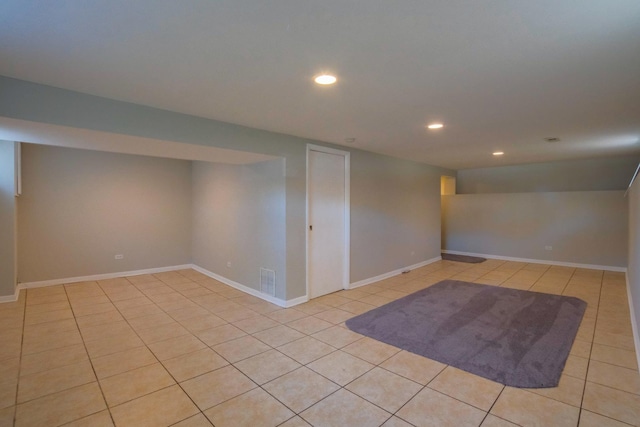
{"x":349,"y":140}
{"x":435,"y":126}
{"x":325,"y":79}
{"x":498,"y":153}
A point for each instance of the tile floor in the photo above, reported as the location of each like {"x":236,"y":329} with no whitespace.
{"x":181,"y":349}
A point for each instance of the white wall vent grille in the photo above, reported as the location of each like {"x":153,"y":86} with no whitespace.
{"x":268,"y":281}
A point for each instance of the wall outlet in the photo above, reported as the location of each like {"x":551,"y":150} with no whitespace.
{"x":228,"y":264}
{"x":119,"y":256}
{"x":548,"y":248}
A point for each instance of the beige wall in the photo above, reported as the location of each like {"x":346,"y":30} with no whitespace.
{"x":395,"y":214}
{"x":239,"y":217}
{"x":80,"y":208}
{"x":585,"y":227}
{"x":7,"y":219}
{"x":569,"y":175}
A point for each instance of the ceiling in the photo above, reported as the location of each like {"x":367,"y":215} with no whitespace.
{"x":501,"y":75}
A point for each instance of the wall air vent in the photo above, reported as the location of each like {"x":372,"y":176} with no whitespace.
{"x":268,"y":281}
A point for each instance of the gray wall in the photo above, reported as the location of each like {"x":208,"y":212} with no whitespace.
{"x":395,"y":214}
{"x":30,"y":101}
{"x":7,"y":219}
{"x":80,"y":208}
{"x":571,"y":175}
{"x":239,"y":217}
{"x":633,"y":268}
{"x":585,"y":227}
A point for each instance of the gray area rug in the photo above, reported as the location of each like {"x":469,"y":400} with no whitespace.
{"x":517,"y":338}
{"x":463,"y":258}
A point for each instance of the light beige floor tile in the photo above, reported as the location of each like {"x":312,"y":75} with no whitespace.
{"x":101,"y":419}
{"x":8,"y":392}
{"x":256,"y":324}
{"x":335,"y":316}
{"x":254,"y":408}
{"x":340,"y":367}
{"x":214,"y":336}
{"x":55,"y":380}
{"x":526,"y":408}
{"x":200,"y":323}
{"x":589,"y":419}
{"x":49,"y":306}
{"x":576,"y":367}
{"x":162,"y":408}
{"x":301,"y":388}
{"x":171,"y":330}
{"x":193,"y":364}
{"x":312,"y":308}
{"x":50,"y":341}
{"x":295,"y":422}
{"x":286,"y":315}
{"x":86,"y":310}
{"x":309,"y":325}
{"x":416,"y":368}
{"x":614,"y":376}
{"x":396,"y":422}
{"x":266,"y":366}
{"x":62,"y":407}
{"x":279,"y":335}
{"x":150,"y":321}
{"x":236,"y":314}
{"x":356,"y":307}
{"x":337,"y":336}
{"x":344,"y":408}
{"x":137,"y":302}
{"x":198,"y":420}
{"x":47,"y":316}
{"x":186,"y":313}
{"x":493,"y":421}
{"x":306,"y":350}
{"x":217,"y":386}
{"x":174,"y":347}
{"x":105,"y":331}
{"x":50,"y":359}
{"x":132,"y":384}
{"x":472,"y":389}
{"x":612,"y":403}
{"x":371,"y":350}
{"x":117,"y":363}
{"x":241,"y":348}
{"x":430,"y":408}
{"x":581,"y":349}
{"x":569,"y":391}
{"x":614,"y":356}
{"x":97,"y":319}
{"x":112,"y":345}
{"x":7,"y":415}
{"x":47,"y":328}
{"x":385,"y":389}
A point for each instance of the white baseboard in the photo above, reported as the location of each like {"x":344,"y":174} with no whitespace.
{"x":244,"y":288}
{"x":371,"y":280}
{"x":540,"y":261}
{"x":10,"y":298}
{"x":634,"y":320}
{"x":105,"y":276}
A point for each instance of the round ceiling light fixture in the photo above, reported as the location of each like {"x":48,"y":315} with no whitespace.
{"x":325,"y":79}
{"x":498,"y":153}
{"x":433,"y":126}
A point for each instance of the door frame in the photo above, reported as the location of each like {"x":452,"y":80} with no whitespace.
{"x":347,"y":212}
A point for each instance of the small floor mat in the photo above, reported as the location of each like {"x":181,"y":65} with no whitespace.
{"x":463,"y":258}
{"x":514,"y":337}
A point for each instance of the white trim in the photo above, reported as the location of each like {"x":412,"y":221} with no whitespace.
{"x":11,"y":298}
{"x":241,"y":287}
{"x":634,"y":321}
{"x":347,"y":212}
{"x":296,"y":301}
{"x":397,"y":272}
{"x":541,"y":261}
{"x":54,"y":282}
